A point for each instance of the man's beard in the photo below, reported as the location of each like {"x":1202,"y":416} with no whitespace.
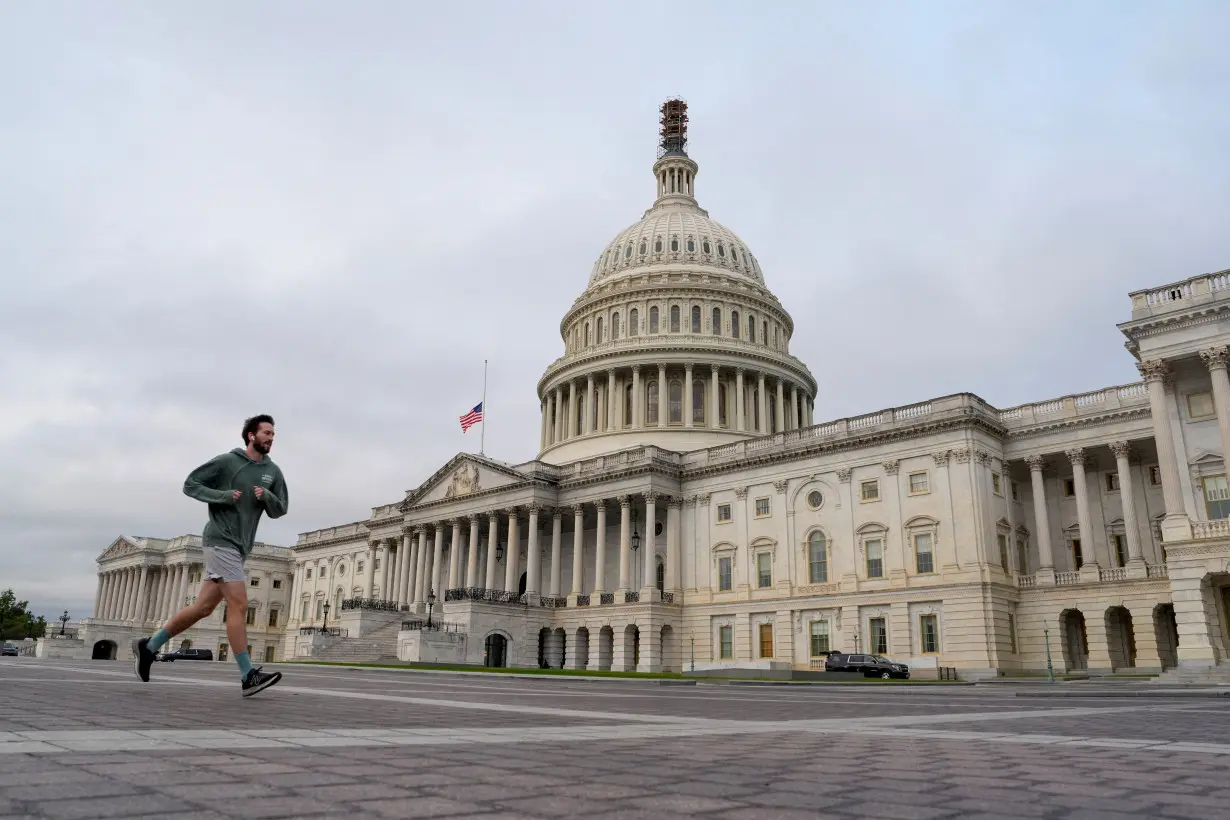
{"x":262,"y":447}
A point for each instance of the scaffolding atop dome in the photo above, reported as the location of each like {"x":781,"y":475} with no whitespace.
{"x":673,"y":128}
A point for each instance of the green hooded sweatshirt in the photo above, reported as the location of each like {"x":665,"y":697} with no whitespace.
{"x":233,"y":522}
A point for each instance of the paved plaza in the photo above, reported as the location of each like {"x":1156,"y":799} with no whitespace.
{"x":86,"y":739}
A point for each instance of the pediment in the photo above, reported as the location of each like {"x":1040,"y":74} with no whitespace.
{"x":465,"y":474}
{"x":119,"y":547}
{"x":1205,"y":457}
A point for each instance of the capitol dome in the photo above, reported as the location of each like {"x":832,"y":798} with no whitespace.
{"x":675,"y":340}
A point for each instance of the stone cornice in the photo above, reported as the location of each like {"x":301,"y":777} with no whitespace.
{"x":1126,"y":414}
{"x":1193,"y":316}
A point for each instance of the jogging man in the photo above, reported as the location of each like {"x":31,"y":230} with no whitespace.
{"x":238,"y":486}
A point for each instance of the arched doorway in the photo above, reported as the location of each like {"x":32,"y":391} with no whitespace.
{"x":1120,"y":639}
{"x":544,"y":637}
{"x":1166,"y":630}
{"x":632,"y":649}
{"x":606,"y":648}
{"x":495,"y":653}
{"x":1075,"y":641}
{"x":671,"y":660}
{"x":185,"y":644}
{"x":103,"y":651}
{"x":580,"y":649}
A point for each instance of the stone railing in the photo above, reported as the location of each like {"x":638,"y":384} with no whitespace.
{"x":1211,"y":529}
{"x":1024,"y":581}
{"x":434,"y":626}
{"x":1063,"y":579}
{"x":1157,"y":571}
{"x":582,"y":600}
{"x":1113,"y":574}
{"x":668,"y":597}
{"x":372,"y":605}
{"x":334,"y":631}
{"x":1076,"y":404}
{"x":606,"y":598}
{"x":494,"y":596}
{"x":549,"y":602}
{"x":1207,"y":287}
{"x":344,"y":531}
{"x":632,"y":597}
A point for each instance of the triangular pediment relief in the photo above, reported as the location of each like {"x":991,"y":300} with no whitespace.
{"x":119,"y":547}
{"x":464,"y":475}
{"x":1205,"y":457}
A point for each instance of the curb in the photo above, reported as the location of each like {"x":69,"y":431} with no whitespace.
{"x":1171,"y":693}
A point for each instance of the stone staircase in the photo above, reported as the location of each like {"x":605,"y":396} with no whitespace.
{"x":1195,"y":676}
{"x":378,"y":646}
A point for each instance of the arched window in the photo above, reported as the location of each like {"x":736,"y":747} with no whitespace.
{"x":674,"y":318}
{"x":775,"y":335}
{"x":721,"y":250}
{"x":676,"y":403}
{"x":614,"y":325}
{"x":755,"y":409}
{"x":634,"y":322}
{"x":722,"y":406}
{"x":657,"y":245}
{"x":674,"y":244}
{"x":691,"y":245}
{"x":661,"y":575}
{"x":751,"y":328}
{"x":628,"y":251}
{"x":628,"y":406}
{"x":734,"y":323}
{"x":717,"y":322}
{"x":579,"y":413}
{"x":764,"y":338}
{"x":651,"y":399}
{"x":599,"y":337}
{"x":704,"y":246}
{"x":587,"y":334}
{"x":696,"y":318}
{"x":817,"y":559}
{"x":698,"y":401}
{"x":644,"y":247}
{"x":653,"y":320}
{"x":734,"y":253}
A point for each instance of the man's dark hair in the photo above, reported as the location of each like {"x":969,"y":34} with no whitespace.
{"x":253,"y":424}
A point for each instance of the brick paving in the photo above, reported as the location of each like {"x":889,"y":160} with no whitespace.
{"x":89,"y":740}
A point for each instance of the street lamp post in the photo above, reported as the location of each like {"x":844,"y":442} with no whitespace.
{"x":63,"y":621}
{"x":1050,"y":669}
{"x":431,"y":601}
{"x":324,"y":627}
{"x":693,"y":653}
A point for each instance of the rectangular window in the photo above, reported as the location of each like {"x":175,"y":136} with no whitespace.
{"x":1200,"y":405}
{"x":1022,"y":556}
{"x":924,"y":557}
{"x":359,"y":568}
{"x":1003,"y":550}
{"x":762,"y":507}
{"x":273,"y":617}
{"x":1121,"y":550}
{"x":929,"y":631}
{"x":724,"y":584}
{"x":277,"y":583}
{"x":1216,"y":497}
{"x":879,"y":636}
{"x":997,"y":484}
{"x":870,"y":490}
{"x":376,"y":563}
{"x":254,"y":582}
{"x":875,"y":558}
{"x":818,"y":561}
{"x":1078,"y":560}
{"x":1069,"y":487}
{"x":251,"y":619}
{"x":1155,"y":476}
{"x":1012,"y":633}
{"x":319,"y":604}
{"x":764,"y":570}
{"x":308,"y":575}
{"x":303,"y":616}
{"x":723,"y":513}
{"x":819,"y":638}
{"x":1112,"y":482}
{"x":766,"y":640}
{"x":726,"y":640}
{"x":1016,"y":491}
{"x":269,"y":653}
{"x":920,"y":484}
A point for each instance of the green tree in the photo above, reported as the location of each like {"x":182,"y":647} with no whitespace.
{"x":16,"y":620}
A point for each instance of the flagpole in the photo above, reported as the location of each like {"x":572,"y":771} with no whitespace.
{"x":483,"y":434}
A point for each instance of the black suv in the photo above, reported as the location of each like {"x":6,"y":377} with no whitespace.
{"x":187,"y":655}
{"x":872,"y":666}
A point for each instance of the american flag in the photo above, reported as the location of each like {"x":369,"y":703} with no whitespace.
{"x":472,"y":418}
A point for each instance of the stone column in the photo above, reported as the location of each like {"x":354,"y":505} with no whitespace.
{"x":472,"y":554}
{"x":369,"y":572}
{"x":108,"y":610}
{"x":638,"y":403}
{"x":557,"y":415}
{"x":672,"y":544}
{"x":437,"y":564}
{"x":185,"y":574}
{"x":1176,"y":526}
{"x":117,"y":595}
{"x":1216,"y":359}
{"x":410,"y":567}
{"x":571,"y":424}
{"x":1084,"y":521}
{"x":625,"y":543}
{"x":740,"y":422}
{"x":154,"y":610}
{"x":454,"y":557}
{"x":578,"y":550}
{"x":599,"y":554}
{"x":98,"y":596}
{"x":382,"y":555}
{"x":809,"y":407}
{"x":397,"y":561}
{"x":557,"y":526}
{"x":1136,"y":561}
{"x":688,"y":409}
{"x":103,"y":595}
{"x":589,"y":403}
{"x":762,"y":403}
{"x":713,"y":419}
{"x":512,"y":555}
{"x":649,"y":575}
{"x":126,"y":595}
{"x":780,"y":409}
{"x":794,"y":408}
{"x":533,"y":558}
{"x":493,"y":541}
{"x":1042,"y":524}
{"x":611,"y":398}
{"x":420,"y":569}
{"x":663,"y":403}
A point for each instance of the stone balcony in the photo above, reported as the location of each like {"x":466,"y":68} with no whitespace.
{"x":1198,"y":290}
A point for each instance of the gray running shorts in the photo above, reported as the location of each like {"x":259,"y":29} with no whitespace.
{"x":222,"y":563}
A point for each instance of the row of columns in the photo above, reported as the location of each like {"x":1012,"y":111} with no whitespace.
{"x":604,"y":408}
{"x":141,"y":593}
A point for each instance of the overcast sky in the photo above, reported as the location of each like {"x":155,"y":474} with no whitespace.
{"x":334,"y":212}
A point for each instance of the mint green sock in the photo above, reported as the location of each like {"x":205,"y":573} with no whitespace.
{"x":245,"y":664}
{"x":158,"y":640}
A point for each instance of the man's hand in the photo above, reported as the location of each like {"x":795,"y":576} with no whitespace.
{"x":259,"y":492}
{"x":235,"y":494}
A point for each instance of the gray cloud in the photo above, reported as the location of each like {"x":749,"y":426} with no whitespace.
{"x":335,"y":217}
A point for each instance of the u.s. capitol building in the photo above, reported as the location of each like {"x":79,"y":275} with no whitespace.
{"x":685,"y":507}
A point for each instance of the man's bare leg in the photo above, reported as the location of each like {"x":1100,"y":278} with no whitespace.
{"x":236,"y":595}
{"x":145,"y":649}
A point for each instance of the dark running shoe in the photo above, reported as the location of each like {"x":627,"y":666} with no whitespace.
{"x":143,"y":658}
{"x":258,"y":680}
